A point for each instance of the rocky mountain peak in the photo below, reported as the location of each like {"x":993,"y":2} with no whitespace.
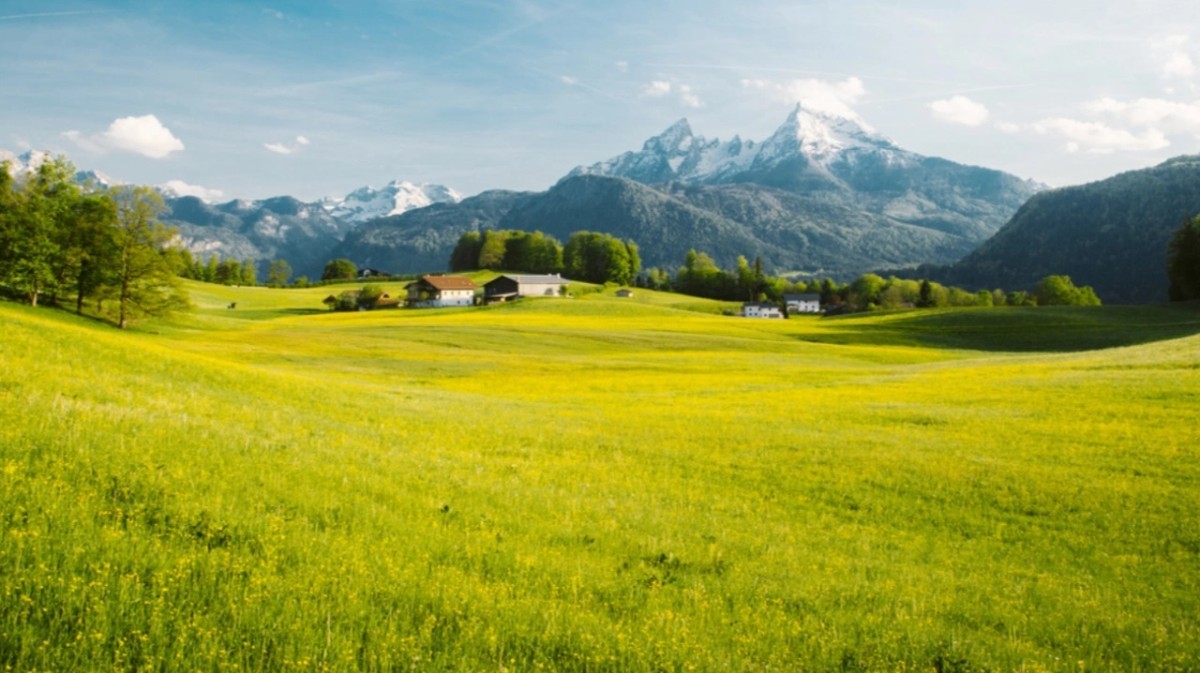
{"x":822,"y":135}
{"x":677,"y":139}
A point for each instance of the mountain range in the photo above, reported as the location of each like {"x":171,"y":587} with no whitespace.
{"x":283,"y":227}
{"x":280,"y":227}
{"x":823,"y":195}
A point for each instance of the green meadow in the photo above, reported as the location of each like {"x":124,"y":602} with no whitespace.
{"x":599,"y":484}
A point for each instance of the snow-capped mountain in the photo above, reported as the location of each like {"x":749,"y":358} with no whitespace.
{"x":678,"y":155}
{"x":368,"y":203}
{"x":23,"y":164}
{"x":27,"y":163}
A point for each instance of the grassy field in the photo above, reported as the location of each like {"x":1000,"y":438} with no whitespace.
{"x":597,"y":484}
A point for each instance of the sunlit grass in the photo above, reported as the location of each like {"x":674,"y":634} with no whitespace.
{"x":597,"y":484}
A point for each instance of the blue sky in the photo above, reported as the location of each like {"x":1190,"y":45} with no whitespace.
{"x":318,"y":98}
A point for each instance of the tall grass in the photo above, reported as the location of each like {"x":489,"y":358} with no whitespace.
{"x":595,"y":485}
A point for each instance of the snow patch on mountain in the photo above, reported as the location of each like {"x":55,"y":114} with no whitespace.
{"x":368,"y":203}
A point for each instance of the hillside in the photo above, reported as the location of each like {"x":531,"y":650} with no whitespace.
{"x":598,"y":484}
{"x":1110,"y":234}
{"x":275,"y":228}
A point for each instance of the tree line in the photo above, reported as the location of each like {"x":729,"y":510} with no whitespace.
{"x":101,"y":250}
{"x":700,"y":276}
{"x":587,"y":256}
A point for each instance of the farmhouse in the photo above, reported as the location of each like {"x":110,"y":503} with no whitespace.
{"x":802,"y":303}
{"x":754,"y":309}
{"x":441,"y":291}
{"x":503,"y":288}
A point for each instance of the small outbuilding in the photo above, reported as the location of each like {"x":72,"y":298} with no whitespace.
{"x":624,"y":293}
{"x":504,"y":288}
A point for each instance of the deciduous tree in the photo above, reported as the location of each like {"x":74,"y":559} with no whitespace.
{"x":339,"y":269}
{"x":141,"y":280}
{"x":278,"y":273}
{"x":36,"y":214}
{"x":1060,"y":291}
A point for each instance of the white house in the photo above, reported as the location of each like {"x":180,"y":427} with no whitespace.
{"x":441,"y":291}
{"x":802,"y":303}
{"x":754,"y":309}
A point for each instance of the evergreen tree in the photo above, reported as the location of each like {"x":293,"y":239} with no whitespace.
{"x":925,"y":296}
{"x":465,"y":255}
{"x":228,"y":272}
{"x":1183,"y":262}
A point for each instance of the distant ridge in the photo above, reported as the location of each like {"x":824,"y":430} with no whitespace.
{"x":1111,"y":234}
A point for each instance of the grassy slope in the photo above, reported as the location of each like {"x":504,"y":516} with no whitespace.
{"x":598,"y":484}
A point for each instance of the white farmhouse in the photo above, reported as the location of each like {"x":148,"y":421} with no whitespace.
{"x":441,"y":291}
{"x":802,"y":303}
{"x":765,"y":309}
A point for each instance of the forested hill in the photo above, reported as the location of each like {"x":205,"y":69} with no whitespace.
{"x":1110,"y":234}
{"x":421,"y":240}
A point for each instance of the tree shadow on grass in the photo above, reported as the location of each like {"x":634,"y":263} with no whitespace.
{"x":1049,"y":329}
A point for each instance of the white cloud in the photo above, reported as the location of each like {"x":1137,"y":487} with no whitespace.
{"x":688,"y":97}
{"x":1155,"y":113}
{"x":959,"y":110}
{"x":143,"y":135}
{"x":622,"y":66}
{"x":86,"y":143}
{"x":568,"y":80}
{"x":1008,"y":127}
{"x":280,"y":148}
{"x":1100,"y":138}
{"x":181,"y":188}
{"x":836,"y":98}
{"x":1175,"y":57}
{"x":684,"y":92}
{"x":657,"y":88}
